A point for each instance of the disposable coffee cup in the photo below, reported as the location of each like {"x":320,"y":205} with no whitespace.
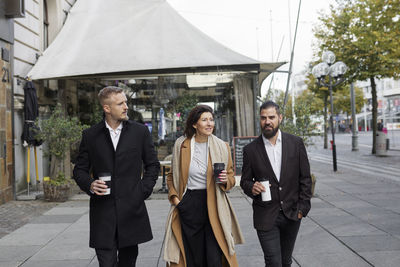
{"x":218,"y":168}
{"x":106,"y":177}
{"x":266,"y":196}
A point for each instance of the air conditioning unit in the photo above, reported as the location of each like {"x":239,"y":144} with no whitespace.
{"x":15,"y":8}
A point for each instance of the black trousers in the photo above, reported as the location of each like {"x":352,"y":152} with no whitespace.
{"x":278,"y":243}
{"x":114,"y":257}
{"x":201,"y":247}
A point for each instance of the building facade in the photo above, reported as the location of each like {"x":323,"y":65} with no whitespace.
{"x":388,"y":94}
{"x":27,"y":27}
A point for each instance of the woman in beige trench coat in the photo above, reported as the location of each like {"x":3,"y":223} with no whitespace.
{"x":195,"y":196}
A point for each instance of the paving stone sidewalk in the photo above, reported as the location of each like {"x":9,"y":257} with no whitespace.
{"x":354,"y":222}
{"x":15,"y":214}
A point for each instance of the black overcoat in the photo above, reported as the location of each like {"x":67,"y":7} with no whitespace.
{"x":293,"y":190}
{"x":134,"y":170}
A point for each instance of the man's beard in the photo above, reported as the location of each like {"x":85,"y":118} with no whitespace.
{"x":125,"y":118}
{"x":269,"y":133}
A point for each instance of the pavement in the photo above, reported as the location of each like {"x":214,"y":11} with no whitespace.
{"x":15,"y":214}
{"x":354,"y":221}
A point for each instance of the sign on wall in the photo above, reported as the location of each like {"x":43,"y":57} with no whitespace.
{"x":238,"y":144}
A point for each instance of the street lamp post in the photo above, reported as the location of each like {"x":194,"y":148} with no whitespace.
{"x":354,"y":130}
{"x":335,"y":72}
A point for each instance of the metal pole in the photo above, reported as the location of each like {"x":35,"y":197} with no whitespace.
{"x":272,"y":38}
{"x":291,"y":61}
{"x":332,"y":129}
{"x":36,"y":169}
{"x":256,"y":127}
{"x":293,"y":100}
{"x":273,"y":73}
{"x":354,"y":137}
{"x":365,"y":118}
{"x":28,"y":168}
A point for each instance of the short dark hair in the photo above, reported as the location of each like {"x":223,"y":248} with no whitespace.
{"x":193,"y":117}
{"x":106,"y":92}
{"x":270,"y":104}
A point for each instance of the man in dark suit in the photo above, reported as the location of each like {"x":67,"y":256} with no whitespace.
{"x":123,"y":150}
{"x":280,"y":158}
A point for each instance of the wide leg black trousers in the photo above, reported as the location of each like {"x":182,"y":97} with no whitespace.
{"x":201,"y":247}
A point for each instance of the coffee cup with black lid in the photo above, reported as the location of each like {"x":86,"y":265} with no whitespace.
{"x":218,"y":168}
{"x":106,"y":177}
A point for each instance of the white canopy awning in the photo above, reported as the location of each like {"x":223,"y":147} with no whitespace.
{"x":134,"y":37}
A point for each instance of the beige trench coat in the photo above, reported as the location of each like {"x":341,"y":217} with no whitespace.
{"x":228,"y":260}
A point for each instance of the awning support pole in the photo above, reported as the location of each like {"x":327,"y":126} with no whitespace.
{"x":28,"y":168}
{"x":36,"y":169}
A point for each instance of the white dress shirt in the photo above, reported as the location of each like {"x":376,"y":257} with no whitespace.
{"x":115,"y":134}
{"x":274,"y":153}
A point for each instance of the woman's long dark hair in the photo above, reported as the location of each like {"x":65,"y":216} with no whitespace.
{"x":193,"y":117}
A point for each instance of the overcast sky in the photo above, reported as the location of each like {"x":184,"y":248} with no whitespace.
{"x":245,"y":27}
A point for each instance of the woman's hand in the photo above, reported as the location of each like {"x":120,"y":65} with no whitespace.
{"x":175,"y":201}
{"x":222,"y":177}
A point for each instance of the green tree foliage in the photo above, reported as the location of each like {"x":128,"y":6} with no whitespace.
{"x":96,"y":114}
{"x":59,"y":133}
{"x":307,"y":107}
{"x":183,"y":104}
{"x":365,"y":35}
{"x":342,"y":101}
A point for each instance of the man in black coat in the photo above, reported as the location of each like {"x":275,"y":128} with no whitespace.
{"x":123,"y":150}
{"x":280,"y":158}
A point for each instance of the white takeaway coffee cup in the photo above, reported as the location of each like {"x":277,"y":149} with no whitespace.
{"x":107,"y":179}
{"x":266,"y":196}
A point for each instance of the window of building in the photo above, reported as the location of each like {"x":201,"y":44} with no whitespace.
{"x":396,"y":84}
{"x":388,"y":84}
{"x":45,"y":26}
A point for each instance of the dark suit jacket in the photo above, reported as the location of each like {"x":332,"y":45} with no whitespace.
{"x":124,"y":209}
{"x":292,"y":193}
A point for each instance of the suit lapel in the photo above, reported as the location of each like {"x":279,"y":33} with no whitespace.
{"x":264,"y":156}
{"x":108,"y":136}
{"x":284,"y":154}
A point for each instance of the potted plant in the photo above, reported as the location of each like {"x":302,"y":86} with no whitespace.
{"x":57,"y":189}
{"x":59,"y":132}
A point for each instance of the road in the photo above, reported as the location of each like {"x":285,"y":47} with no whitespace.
{"x":362,"y":161}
